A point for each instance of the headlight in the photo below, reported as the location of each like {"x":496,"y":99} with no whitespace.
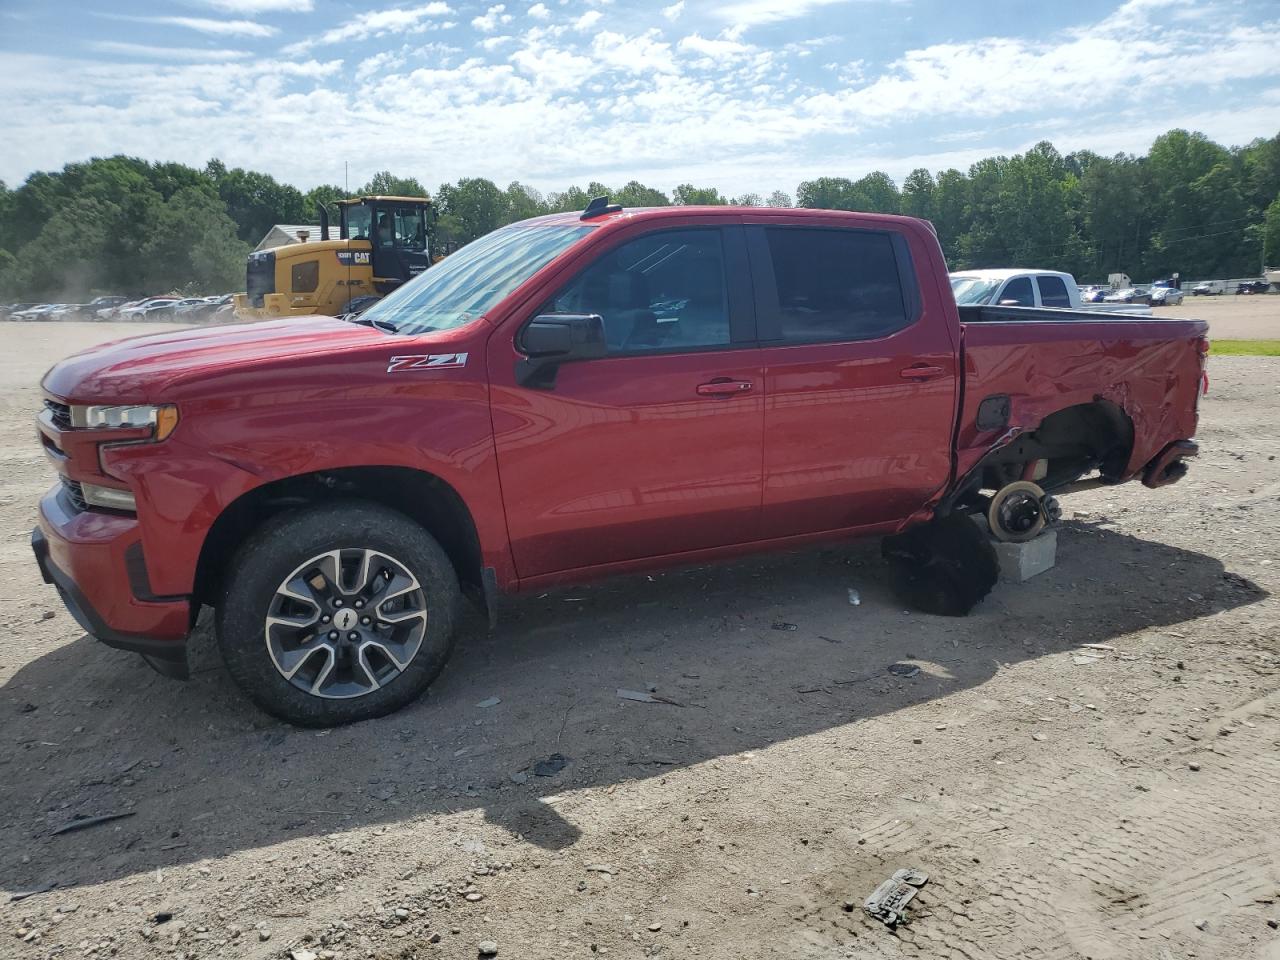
{"x":109,"y":497}
{"x":161,"y":418}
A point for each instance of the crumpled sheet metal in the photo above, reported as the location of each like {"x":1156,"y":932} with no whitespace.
{"x":888,"y":903}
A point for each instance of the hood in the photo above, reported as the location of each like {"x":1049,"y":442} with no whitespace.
{"x":143,"y":368}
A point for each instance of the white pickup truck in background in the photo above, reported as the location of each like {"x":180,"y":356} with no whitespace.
{"x":1030,"y":288}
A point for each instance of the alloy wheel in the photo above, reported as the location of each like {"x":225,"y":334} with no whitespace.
{"x":346,"y":623}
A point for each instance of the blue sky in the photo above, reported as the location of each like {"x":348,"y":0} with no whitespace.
{"x":746,"y":95}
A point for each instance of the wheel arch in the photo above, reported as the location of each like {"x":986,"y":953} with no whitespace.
{"x":424,"y":497}
{"x":1098,"y":434}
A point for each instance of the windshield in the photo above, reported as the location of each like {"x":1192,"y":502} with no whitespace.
{"x":970,"y":290}
{"x":465,"y":284}
{"x":359,"y":222}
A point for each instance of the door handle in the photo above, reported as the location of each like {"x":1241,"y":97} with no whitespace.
{"x":724,"y":388}
{"x":922,"y":371}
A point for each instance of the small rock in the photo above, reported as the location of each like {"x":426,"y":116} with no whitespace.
{"x":303,"y":955}
{"x":474,"y":897}
{"x":435,"y":937}
{"x":1039,"y":737}
{"x":1202,"y":924}
{"x":1193,"y":766}
{"x":489,"y":702}
{"x":1273,"y":923}
{"x":917,"y":739}
{"x":487,"y":948}
{"x":401,"y":913}
{"x":264,"y":935}
{"x":48,"y":615}
{"x":655,"y":927}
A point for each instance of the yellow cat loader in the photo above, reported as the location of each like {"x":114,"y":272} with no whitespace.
{"x":381,"y":243}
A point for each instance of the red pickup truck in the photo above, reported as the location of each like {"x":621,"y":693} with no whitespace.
{"x":571,"y":396}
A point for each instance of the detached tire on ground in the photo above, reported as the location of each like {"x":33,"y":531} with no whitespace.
{"x":943,"y":567}
{"x":337,"y":613}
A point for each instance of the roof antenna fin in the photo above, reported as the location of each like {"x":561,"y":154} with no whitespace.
{"x":598,"y":207}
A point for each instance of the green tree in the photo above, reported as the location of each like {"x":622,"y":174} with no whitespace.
{"x":1271,"y":235}
{"x":779,"y":198}
{"x":256,"y":201}
{"x":471,"y":208}
{"x":917,"y":194}
{"x":687,"y":195}
{"x":386,"y":184}
{"x":636,"y":194}
{"x":193,"y":245}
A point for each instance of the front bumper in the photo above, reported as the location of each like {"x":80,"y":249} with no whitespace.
{"x":94,"y":559}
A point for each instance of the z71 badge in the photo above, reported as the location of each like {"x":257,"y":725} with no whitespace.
{"x":424,"y":361}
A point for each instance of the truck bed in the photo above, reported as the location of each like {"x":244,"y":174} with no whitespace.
{"x":1047,"y":359}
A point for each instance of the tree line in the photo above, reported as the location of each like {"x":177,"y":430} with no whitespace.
{"x":1189,"y":205}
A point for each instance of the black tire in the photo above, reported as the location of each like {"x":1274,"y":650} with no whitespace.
{"x":943,"y":567}
{"x":290,"y":539}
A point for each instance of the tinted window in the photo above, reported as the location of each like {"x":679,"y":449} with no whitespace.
{"x":306,"y":276}
{"x":663,"y":291}
{"x":835,"y":284}
{"x":1053,"y":292}
{"x":1018,"y":290}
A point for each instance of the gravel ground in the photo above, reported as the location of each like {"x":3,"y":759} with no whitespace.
{"x":1254,"y":317}
{"x":1114,"y":802}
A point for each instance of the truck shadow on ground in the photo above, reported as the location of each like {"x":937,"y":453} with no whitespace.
{"x":752,"y":654}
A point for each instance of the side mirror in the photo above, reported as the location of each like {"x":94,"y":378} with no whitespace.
{"x":552,"y":339}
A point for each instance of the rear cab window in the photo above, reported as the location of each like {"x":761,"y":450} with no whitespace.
{"x":1053,"y":292}
{"x":832,"y":284}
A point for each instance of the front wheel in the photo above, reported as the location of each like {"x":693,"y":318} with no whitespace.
{"x":337,"y":613}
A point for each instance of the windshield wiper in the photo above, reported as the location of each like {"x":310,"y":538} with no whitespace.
{"x":375,"y":322}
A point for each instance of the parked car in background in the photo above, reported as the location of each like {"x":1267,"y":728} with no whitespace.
{"x":93,"y":310}
{"x":139,"y":310}
{"x":187,"y":306}
{"x":8,"y":310}
{"x":1022,"y":287}
{"x":1093,"y":294}
{"x":42,"y":311}
{"x":1165,"y":296}
{"x":1208,"y":288}
{"x":1128,"y":295}
{"x":1253,"y":286}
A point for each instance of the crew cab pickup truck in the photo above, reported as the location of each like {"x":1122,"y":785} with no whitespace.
{"x":567,"y":397}
{"x":1022,"y":287}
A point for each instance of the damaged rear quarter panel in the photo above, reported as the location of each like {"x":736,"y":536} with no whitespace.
{"x":1151,"y":369}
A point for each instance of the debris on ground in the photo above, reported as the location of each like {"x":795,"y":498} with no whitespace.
{"x":1098,"y":646}
{"x":489,"y":702}
{"x":33,"y":892}
{"x":550,"y":766}
{"x":1082,"y":660}
{"x":641,"y":696}
{"x":904,"y":670}
{"x":783,"y":625}
{"x":83,"y":823}
{"x":888,"y":903}
{"x":855,"y":598}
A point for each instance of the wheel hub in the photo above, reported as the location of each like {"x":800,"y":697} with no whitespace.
{"x":345,"y":623}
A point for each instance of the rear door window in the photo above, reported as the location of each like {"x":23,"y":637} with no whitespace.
{"x":1053,"y":292}
{"x":834,"y":285}
{"x":1017,"y":293}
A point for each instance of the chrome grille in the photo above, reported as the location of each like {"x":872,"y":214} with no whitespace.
{"x":61,"y":414}
{"x":75,"y":493}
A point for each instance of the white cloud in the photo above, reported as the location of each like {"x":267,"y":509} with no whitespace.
{"x":587,"y":20}
{"x":719,"y":49}
{"x":673,"y":12}
{"x":493,"y":43}
{"x":188,"y":54}
{"x":539,"y":11}
{"x":230,"y":28}
{"x":377,"y":65}
{"x":262,"y":6}
{"x":752,"y":13}
{"x":376,"y":23}
{"x":494,"y":16}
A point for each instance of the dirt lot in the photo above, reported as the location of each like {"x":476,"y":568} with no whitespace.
{"x":1231,"y":317}
{"x":1067,"y":801}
